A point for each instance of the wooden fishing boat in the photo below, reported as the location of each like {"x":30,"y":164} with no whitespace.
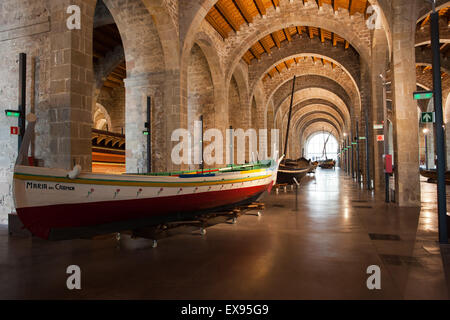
{"x":55,"y":204}
{"x":292,"y":169}
{"x":431,"y":175}
{"x":327,"y":164}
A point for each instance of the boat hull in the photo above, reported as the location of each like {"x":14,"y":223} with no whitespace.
{"x":56,"y":208}
{"x":288,"y":175}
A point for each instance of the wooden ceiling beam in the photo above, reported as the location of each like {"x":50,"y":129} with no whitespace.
{"x":255,"y":54}
{"x":216,"y":26}
{"x":311,"y":34}
{"x":322,"y":35}
{"x":114,"y":79}
{"x":265,"y":47}
{"x":260,"y":6}
{"x":276,"y":39}
{"x":223,"y":11}
{"x":319,"y":3}
{"x":334,"y":39}
{"x":334,"y":5}
{"x":299,"y":30}
{"x":350,"y":5}
{"x":274,"y":5}
{"x":285,"y":63}
{"x":240,"y":5}
{"x":365,"y":9}
{"x":347,"y":44}
{"x":287,"y":34}
{"x":110,"y":84}
{"x":276,"y":68}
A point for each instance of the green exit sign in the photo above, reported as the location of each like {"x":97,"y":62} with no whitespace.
{"x":427,"y":117}
{"x":12,"y":113}
{"x":146,"y":133}
{"x":422,"y":95}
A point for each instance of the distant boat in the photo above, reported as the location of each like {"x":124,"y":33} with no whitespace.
{"x":291,"y":169}
{"x":432,"y":175}
{"x":327,"y":164}
{"x":55,"y":204}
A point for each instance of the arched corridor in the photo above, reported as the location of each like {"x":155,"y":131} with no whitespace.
{"x":141,"y":103}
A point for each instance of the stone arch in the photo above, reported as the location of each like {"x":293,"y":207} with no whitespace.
{"x":308,"y":69}
{"x":314,"y":128}
{"x":310,"y":92}
{"x":354,"y":29}
{"x":300,"y":46}
{"x":317,"y":122}
{"x":260,"y":100}
{"x":151,"y":57}
{"x":299,"y":123}
{"x":239,"y":113}
{"x":203,"y":41}
{"x":310,"y":136}
{"x":101,"y":118}
{"x":200,"y":91}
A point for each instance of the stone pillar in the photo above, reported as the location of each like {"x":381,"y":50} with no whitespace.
{"x":71,"y":86}
{"x":366,"y":111}
{"x":138,"y":88}
{"x":378,"y":65}
{"x":407,"y":182}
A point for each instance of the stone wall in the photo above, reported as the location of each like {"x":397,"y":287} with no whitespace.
{"x":114,"y":102}
{"x":24,"y":27}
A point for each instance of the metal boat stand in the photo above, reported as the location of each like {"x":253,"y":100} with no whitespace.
{"x":202,"y":222}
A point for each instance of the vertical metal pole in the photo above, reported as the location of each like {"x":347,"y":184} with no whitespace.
{"x":231,"y":145}
{"x":202,"y":166}
{"x":149,"y":136}
{"x":22,"y":95}
{"x":440,"y":140}
{"x":426,"y":151}
{"x":353,"y":155}
{"x":369,"y":187}
{"x":289,"y":119}
{"x":387,"y":177}
{"x":358,"y":166}
{"x":348,"y":156}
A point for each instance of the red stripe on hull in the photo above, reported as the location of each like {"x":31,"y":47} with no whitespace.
{"x":40,"y":220}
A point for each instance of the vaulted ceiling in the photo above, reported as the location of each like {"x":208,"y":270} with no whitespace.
{"x":228,"y":15}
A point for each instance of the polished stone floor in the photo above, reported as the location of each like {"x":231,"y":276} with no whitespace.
{"x":321,"y":251}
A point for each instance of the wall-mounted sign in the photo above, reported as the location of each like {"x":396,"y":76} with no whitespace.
{"x":378,"y":126}
{"x":362,"y":138}
{"x":12,"y":113}
{"x":421,"y":95}
{"x":427,"y":117}
{"x":380,"y":138}
{"x":15,"y":130}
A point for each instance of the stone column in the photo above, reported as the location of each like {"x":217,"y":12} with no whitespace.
{"x":378,"y":65}
{"x":71,"y":86}
{"x":138,"y":88}
{"x":366,"y":111}
{"x":407,"y":182}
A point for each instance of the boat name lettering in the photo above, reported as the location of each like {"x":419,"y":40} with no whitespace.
{"x":39,"y":186}
{"x":64,"y":188}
